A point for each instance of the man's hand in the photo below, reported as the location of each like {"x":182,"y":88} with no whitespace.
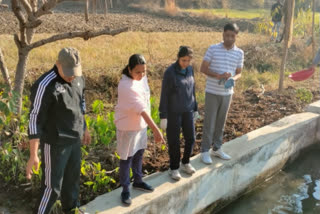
{"x":34,"y":159}
{"x":33,"y":162}
{"x":86,"y":137}
{"x":226,"y":75}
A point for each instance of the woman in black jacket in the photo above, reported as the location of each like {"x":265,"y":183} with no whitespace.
{"x":177,"y":109}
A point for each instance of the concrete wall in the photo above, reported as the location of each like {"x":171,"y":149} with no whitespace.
{"x":256,"y":156}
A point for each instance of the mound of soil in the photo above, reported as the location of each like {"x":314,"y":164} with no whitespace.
{"x":248,"y":111}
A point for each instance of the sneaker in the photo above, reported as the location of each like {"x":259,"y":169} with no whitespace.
{"x":205,"y":157}
{"x":188,"y":168}
{"x":125,"y":198}
{"x":175,"y":174}
{"x":219,"y":153}
{"x":143,"y":186}
{"x":80,"y":211}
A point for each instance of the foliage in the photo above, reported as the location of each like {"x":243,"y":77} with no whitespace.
{"x":7,"y":106}
{"x":96,"y":177}
{"x":154,"y":110}
{"x":13,"y":153}
{"x":102,"y":128}
{"x":304,"y":95}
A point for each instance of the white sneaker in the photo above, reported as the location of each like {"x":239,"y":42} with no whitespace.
{"x":219,"y":153}
{"x":175,"y":174}
{"x":188,"y":168}
{"x":205,"y":157}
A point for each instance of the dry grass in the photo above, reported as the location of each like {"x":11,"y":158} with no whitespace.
{"x":103,"y":58}
{"x":113,"y":52}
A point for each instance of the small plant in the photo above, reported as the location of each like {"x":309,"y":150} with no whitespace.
{"x":96,"y":177}
{"x":13,"y":153}
{"x":154,"y":110}
{"x":304,"y":95}
{"x":103,"y":129}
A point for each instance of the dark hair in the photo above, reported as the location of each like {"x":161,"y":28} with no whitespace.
{"x":134,"y":60}
{"x":185,"y":51}
{"x":231,"y":26}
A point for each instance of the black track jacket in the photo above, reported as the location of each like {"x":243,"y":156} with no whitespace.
{"x":57,"y":109}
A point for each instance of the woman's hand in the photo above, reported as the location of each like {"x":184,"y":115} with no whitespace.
{"x":158,"y":136}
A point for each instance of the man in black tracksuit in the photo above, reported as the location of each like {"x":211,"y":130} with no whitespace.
{"x":57,"y":124}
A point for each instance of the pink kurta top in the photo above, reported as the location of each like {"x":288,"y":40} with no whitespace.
{"x":133,"y":99}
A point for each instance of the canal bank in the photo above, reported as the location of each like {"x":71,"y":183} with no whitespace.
{"x":256,"y":156}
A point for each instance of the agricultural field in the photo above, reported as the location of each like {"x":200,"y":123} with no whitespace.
{"x":256,"y":102}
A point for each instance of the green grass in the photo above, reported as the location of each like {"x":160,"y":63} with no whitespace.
{"x":231,"y":13}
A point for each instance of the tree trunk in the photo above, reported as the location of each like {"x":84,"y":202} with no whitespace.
{"x":105,"y":7}
{"x":289,"y":6}
{"x":86,"y":12}
{"x":20,"y":76}
{"x":94,"y":6}
{"x":4,"y":70}
{"x":313,"y":38}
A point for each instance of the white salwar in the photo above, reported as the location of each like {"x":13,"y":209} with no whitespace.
{"x":129,"y":142}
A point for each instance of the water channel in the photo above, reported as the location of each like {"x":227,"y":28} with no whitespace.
{"x":295,"y":189}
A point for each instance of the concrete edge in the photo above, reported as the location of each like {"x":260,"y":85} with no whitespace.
{"x":285,"y":138}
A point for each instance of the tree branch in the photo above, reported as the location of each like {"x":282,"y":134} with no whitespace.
{"x":33,"y":24}
{"x":17,"y":12}
{"x":27,"y":7}
{"x":4,"y":70}
{"x":85,"y":35}
{"x":22,"y":20}
{"x":46,"y":7}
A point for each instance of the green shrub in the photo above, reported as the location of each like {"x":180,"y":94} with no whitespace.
{"x":304,"y":95}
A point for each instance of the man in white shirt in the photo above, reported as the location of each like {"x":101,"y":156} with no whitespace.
{"x":222,"y":63}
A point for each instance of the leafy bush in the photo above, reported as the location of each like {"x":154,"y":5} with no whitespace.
{"x":304,"y":95}
{"x":96,"y":177}
{"x":102,"y":128}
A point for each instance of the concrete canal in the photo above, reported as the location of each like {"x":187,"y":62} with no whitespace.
{"x":296,"y":189}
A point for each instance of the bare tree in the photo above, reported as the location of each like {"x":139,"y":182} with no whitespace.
{"x":28,"y":13}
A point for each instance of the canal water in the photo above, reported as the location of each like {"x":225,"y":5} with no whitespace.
{"x":296,"y":189}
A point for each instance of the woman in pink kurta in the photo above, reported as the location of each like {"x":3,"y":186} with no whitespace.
{"x":132,"y":116}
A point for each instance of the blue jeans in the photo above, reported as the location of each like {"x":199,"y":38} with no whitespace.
{"x":276,"y":27}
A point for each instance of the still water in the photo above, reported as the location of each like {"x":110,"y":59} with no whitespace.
{"x":296,"y":189}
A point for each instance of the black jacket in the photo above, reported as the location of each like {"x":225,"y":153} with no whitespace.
{"x":57,"y":109}
{"x":178,"y":91}
{"x":276,"y":12}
